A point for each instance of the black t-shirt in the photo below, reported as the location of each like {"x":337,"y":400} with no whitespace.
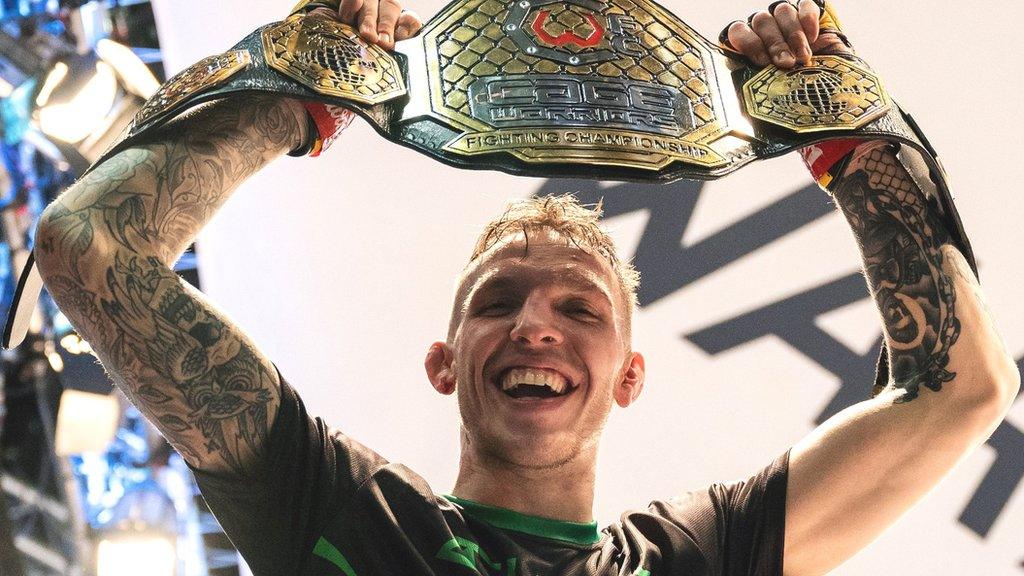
{"x":326,"y":505}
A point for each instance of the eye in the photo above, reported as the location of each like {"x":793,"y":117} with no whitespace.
{"x":495,"y":308}
{"x":582,"y":310}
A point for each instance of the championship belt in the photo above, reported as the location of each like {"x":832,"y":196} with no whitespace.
{"x":604,"y":89}
{"x":600,"y":89}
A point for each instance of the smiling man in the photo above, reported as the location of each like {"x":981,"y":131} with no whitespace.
{"x":538,"y":351}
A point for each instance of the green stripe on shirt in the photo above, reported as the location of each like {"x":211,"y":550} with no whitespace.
{"x":330,"y":552}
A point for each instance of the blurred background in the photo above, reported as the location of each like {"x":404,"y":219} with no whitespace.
{"x":89,"y":488}
{"x":754,"y":319}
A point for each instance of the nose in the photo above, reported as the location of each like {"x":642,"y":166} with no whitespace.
{"x":536,"y":325}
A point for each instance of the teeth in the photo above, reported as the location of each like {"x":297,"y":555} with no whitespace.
{"x":517,"y":376}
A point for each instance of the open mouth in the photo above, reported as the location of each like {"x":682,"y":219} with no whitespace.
{"x":534,"y":383}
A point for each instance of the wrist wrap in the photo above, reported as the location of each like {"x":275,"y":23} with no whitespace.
{"x":329,"y":122}
{"x":825,"y":159}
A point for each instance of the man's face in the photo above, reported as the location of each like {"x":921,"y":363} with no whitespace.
{"x":539,"y":351}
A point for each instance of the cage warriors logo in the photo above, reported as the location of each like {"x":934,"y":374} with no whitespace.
{"x":576,"y":33}
{"x":571,"y":31}
{"x":567,"y":37}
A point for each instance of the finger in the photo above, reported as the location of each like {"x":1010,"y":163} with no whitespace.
{"x":368,"y":20}
{"x":810,"y":15}
{"x":830,"y":42}
{"x":767,"y":29}
{"x":408,"y":25}
{"x":325,"y":11}
{"x":723,"y":37}
{"x":348,"y":10}
{"x":387,"y":18}
{"x":788,"y":19}
{"x":746,"y":42}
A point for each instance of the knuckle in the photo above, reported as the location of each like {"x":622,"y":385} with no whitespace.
{"x":747,"y":43}
{"x":761,"y":18}
{"x":737,"y":38}
{"x":740,"y":36}
{"x":785,"y":9}
{"x":777,"y":48}
{"x":811,"y":7}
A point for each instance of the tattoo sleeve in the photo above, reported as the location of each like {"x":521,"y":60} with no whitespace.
{"x":105,"y":249}
{"x":903,"y":244}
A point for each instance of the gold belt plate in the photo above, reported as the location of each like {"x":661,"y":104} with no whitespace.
{"x":330,"y":58}
{"x":832,"y":93}
{"x":616,"y":82}
{"x":199,"y":77}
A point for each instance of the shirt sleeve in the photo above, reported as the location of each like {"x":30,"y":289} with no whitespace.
{"x":309,"y":473}
{"x":738,"y":527}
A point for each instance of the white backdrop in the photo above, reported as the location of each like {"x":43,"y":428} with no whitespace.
{"x":341,"y":268}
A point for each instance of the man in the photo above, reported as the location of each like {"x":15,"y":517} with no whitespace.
{"x":538,"y":350}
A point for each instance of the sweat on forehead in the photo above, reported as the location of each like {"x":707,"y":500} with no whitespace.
{"x":564,"y":218}
{"x":568,"y":219}
{"x":539,"y":256}
{"x":560,"y":259}
{"x":561,"y":214}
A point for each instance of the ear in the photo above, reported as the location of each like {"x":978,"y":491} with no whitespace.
{"x":439,"y":368}
{"x":628,"y":389}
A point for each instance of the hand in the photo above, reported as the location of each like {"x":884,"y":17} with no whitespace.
{"x":381,"y":22}
{"x":786,"y":37}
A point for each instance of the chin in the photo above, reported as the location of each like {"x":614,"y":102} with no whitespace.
{"x":535,"y":452}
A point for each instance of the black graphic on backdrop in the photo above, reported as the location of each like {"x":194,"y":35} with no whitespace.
{"x":667,"y":266}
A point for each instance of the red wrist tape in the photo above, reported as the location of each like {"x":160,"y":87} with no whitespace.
{"x":821,"y":158}
{"x":330,"y":122}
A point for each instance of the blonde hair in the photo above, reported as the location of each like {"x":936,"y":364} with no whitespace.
{"x":567,"y":217}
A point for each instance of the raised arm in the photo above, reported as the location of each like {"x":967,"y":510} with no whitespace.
{"x":105,"y":249}
{"x":951,"y":380}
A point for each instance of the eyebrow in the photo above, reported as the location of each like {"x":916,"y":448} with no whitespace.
{"x":573,"y":279}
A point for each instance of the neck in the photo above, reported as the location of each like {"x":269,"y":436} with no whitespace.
{"x":564,"y":492}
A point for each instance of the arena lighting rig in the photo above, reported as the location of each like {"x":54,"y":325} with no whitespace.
{"x":86,"y":100}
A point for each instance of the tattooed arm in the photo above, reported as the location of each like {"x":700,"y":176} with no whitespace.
{"x":105,"y":249}
{"x":951,"y":380}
